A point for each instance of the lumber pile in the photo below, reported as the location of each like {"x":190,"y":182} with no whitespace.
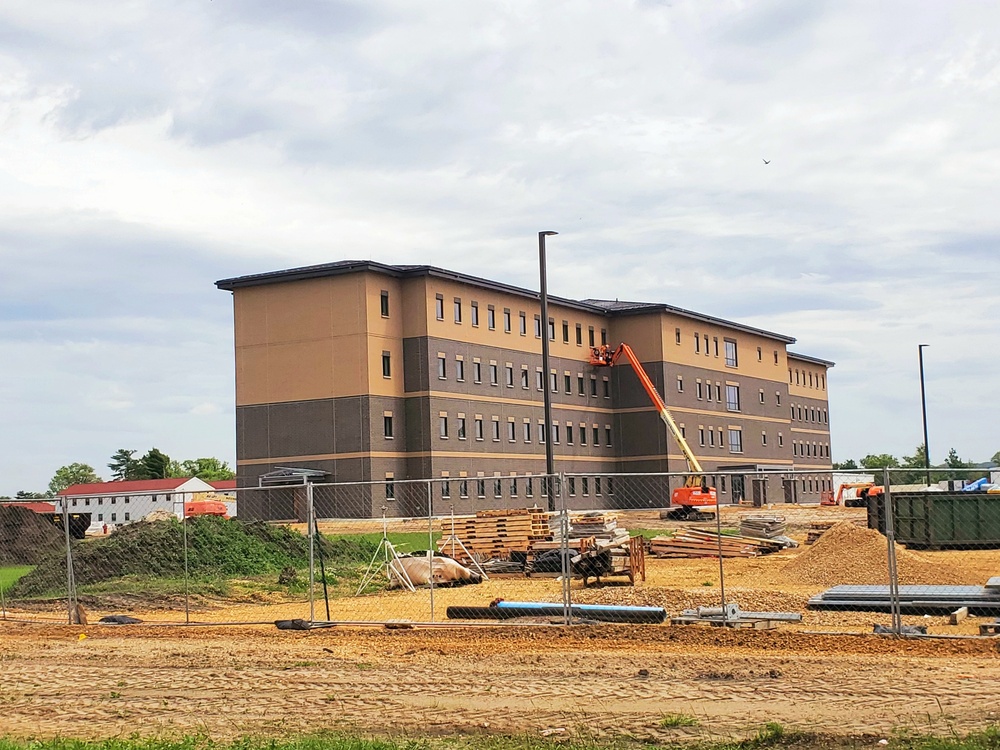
{"x":695,"y":543}
{"x":494,"y":533}
{"x":763,"y":526}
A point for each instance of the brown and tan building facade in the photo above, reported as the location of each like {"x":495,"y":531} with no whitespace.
{"x":370,"y":372}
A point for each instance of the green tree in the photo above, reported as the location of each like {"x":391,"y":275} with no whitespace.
{"x":124,"y":466}
{"x":209,"y":469}
{"x":67,"y":476}
{"x":28,"y":495}
{"x":848,"y":464}
{"x":155,"y":464}
{"x":996,"y":458}
{"x":880,"y":461}
{"x":954,"y":462}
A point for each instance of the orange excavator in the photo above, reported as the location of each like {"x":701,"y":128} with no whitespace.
{"x":687,"y":501}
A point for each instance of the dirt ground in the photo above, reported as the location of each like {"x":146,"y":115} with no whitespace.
{"x":596,"y":681}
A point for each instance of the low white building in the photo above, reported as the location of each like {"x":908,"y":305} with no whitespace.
{"x":113,"y":504}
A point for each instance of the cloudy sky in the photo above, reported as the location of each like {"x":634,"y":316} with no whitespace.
{"x":148,"y":149}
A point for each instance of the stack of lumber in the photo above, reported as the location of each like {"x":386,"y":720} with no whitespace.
{"x":695,"y":543}
{"x":763,"y":527}
{"x":600,"y":525}
{"x":495,"y":533}
{"x":816,"y":530}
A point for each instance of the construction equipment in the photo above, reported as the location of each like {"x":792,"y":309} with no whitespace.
{"x":687,"y":501}
{"x":853,"y":494}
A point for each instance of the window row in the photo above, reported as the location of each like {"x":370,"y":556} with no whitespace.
{"x":728,"y":347}
{"x":809,"y":414}
{"x":521,"y":375}
{"x":507,"y":317}
{"x":526,"y":430}
{"x":515,"y":485}
{"x":811,"y":450}
{"x":114,"y":500}
{"x":807,"y":378}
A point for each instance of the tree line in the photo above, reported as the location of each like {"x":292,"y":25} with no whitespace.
{"x":875,"y":462}
{"x":125,"y":466}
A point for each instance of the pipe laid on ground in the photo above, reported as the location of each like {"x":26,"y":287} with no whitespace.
{"x":604,"y":612}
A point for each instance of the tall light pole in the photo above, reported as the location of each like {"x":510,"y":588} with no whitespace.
{"x":547,"y":399}
{"x":923,"y":407}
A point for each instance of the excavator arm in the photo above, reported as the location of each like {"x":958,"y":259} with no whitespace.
{"x":696,"y":490}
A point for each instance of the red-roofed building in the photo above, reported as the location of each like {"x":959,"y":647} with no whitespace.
{"x":117,"y":503}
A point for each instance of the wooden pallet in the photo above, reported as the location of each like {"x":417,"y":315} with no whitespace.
{"x":694,"y":543}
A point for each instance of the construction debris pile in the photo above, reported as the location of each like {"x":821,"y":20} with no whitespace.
{"x":598,"y":546}
{"x":493,"y":534}
{"x":697,"y":543}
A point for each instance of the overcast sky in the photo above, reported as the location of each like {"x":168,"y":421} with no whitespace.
{"x":149,"y":148}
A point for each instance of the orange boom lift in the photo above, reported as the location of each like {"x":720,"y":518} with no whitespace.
{"x":687,"y":501}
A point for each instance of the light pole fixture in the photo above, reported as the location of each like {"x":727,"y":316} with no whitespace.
{"x":547,"y":398}
{"x":923,"y":407}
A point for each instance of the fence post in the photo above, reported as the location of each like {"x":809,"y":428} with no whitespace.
{"x":566,"y":568}
{"x":187,"y":574}
{"x":70,"y":580}
{"x":722,"y":571}
{"x":430,"y":539}
{"x":890,"y":535}
{"x":311,"y":530}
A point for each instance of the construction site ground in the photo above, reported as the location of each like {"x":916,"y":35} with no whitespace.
{"x":594,"y":681}
{"x":597,"y":681}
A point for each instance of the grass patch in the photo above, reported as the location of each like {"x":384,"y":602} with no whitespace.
{"x":404,"y":542}
{"x":10,"y":574}
{"x":671,"y":721}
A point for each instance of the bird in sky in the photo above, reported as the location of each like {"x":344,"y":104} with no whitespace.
{"x":765,"y":161}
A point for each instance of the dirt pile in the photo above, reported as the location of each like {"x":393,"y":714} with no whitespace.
{"x":26,"y":537}
{"x":848,"y":554}
{"x":677,"y":600}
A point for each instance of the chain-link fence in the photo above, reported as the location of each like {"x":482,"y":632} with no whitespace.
{"x":904,"y":550}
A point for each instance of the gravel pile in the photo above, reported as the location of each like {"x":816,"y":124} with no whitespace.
{"x":847,"y":554}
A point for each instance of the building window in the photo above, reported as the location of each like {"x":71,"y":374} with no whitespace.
{"x":384,"y":303}
{"x":513,"y":486}
{"x":458,"y":310}
{"x":128,"y":517}
{"x":593,"y":385}
{"x":508,"y":373}
{"x":708,"y":392}
{"x":781,"y":440}
{"x":733,"y":397}
{"x":735,"y":441}
{"x":529,"y":487}
{"x":459,"y":369}
{"x":677,"y":335}
{"x":565,"y":329}
{"x":715,"y":345}
{"x":445,"y":489}
{"x":555,"y":434}
{"x":491,"y":318}
{"x":494,"y":374}
{"x":511,"y":431}
{"x":579,"y":335}
{"x":579,"y":385}
{"x":443,"y":426}
{"x":569,"y":434}
{"x":775,"y":356}
{"x":527,"y":432}
{"x":697,"y":343}
{"x":495,"y":429}
{"x":597,"y":486}
{"x":506,"y":320}
{"x":680,"y":384}
{"x":523,"y":321}
{"x":763,"y":438}
{"x":497,"y":487}
{"x":538,"y":327}
{"x":390,"y":488}
{"x":480,"y":488}
{"x":607,"y":388}
{"x":474,"y":307}
{"x":387,"y":425}
{"x":607,"y":435}
{"x":604,"y":337}
{"x":461,"y":428}
{"x":386,"y":365}
{"x":571,"y":485}
{"x":479,"y":428}
{"x":524,"y":376}
{"x":777,"y":398}
{"x":442,"y":367}
{"x":711,"y":437}
{"x":761,"y":395}
{"x":701,"y":436}
{"x":439,"y":307}
{"x":568,"y":383}
{"x":477,"y":372}
{"x":731,"y":360}
{"x":583,"y":434}
{"x":552,"y":329}
{"x":590,"y":335}
{"x":541,"y":432}
{"x":539,"y":381}
{"x":553,"y":382}
{"x":697,"y":389}
{"x":718,"y":391}
{"x":597,"y":436}
{"x":706,"y":344}
{"x":463,"y":488}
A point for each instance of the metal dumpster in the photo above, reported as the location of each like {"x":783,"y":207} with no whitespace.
{"x":934,"y":520}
